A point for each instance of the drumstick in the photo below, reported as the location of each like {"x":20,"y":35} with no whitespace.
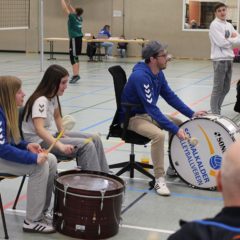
{"x":192,"y":140}
{"x":56,"y":139}
{"x":90,"y":139}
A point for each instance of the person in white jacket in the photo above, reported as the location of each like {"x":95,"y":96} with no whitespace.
{"x":222,"y":36}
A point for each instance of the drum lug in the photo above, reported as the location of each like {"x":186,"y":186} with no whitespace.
{"x":62,"y":225}
{"x":94,"y":217}
{"x":231,"y":134}
{"x":65,"y":193}
{"x":99,"y":229}
{"x":102,"y":193}
{"x":238,"y":130}
{"x":58,"y":214}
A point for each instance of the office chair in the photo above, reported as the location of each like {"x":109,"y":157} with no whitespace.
{"x":4,"y":176}
{"x":118,"y":131}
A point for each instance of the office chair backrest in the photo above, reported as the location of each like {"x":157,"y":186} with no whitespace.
{"x":119,"y":80}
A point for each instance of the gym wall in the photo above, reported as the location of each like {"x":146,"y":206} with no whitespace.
{"x":149,"y":19}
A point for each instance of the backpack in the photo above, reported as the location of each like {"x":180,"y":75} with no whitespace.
{"x":237,"y":104}
{"x":236,"y":52}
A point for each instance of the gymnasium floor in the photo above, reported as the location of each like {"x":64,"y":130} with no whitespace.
{"x":92,"y":103}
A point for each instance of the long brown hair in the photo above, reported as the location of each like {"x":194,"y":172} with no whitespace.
{"x":48,"y":87}
{"x":9,"y":86}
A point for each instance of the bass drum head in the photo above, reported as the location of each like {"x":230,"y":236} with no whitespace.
{"x":197,"y":165}
{"x":90,"y":182}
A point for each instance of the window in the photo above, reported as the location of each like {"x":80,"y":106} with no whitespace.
{"x":198,"y":14}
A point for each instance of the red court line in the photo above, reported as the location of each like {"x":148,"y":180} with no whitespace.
{"x":200,"y":100}
{"x":111,"y":149}
{"x":10,"y":204}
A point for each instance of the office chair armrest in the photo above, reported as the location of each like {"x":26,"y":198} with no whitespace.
{"x":128,"y":107}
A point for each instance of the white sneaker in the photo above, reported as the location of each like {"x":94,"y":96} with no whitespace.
{"x":161,"y":187}
{"x":38,"y":227}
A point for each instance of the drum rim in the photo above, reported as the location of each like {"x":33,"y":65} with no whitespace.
{"x":85,"y":192}
{"x":90,"y":196}
{"x":170,"y":144}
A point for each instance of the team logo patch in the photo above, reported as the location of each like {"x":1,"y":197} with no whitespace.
{"x":147,"y":93}
{"x":41,"y":108}
{"x":2,"y":140}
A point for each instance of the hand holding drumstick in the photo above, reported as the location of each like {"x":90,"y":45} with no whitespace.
{"x":192,"y":140}
{"x":55,"y":141}
{"x":182,"y":135}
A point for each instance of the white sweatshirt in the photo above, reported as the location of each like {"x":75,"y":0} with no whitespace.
{"x":221,"y":42}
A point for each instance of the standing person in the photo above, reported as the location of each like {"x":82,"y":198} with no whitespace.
{"x":143,"y":88}
{"x":43,"y":109}
{"x":75,"y":37}
{"x":91,"y":50}
{"x":122,"y":47}
{"x":21,"y":158}
{"x":225,"y":225}
{"x":222,"y":37}
{"x":105,"y":33}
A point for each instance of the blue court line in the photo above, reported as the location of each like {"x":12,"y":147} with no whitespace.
{"x":79,"y":107}
{"x":196,"y":70}
{"x":84,"y":94}
{"x":191,"y":84}
{"x":178,"y":195}
{"x":96,"y":124}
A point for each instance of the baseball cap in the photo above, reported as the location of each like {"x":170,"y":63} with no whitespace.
{"x":152,"y":48}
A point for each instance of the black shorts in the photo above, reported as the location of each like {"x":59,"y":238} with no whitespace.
{"x":75,"y":46}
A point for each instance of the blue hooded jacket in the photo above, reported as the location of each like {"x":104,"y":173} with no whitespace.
{"x":144,"y":88}
{"x":12,"y":152}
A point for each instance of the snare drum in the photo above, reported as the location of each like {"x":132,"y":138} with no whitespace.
{"x":87,"y":204}
{"x":197,"y":165}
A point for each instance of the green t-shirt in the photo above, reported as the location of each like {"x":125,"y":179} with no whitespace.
{"x":74,"y":25}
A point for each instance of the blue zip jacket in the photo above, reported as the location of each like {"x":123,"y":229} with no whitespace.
{"x":12,"y":152}
{"x":144,"y":88}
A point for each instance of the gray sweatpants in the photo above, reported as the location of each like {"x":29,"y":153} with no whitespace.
{"x":40,"y":184}
{"x":221,"y":84}
{"x":89,"y":150}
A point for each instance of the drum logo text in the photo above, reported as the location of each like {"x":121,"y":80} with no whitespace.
{"x":195,"y":162}
{"x":220,"y":141}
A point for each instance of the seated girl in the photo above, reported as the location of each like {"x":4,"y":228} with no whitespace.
{"x":43,"y":109}
{"x":21,"y":158}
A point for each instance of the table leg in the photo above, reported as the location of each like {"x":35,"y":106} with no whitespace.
{"x":51,"y":51}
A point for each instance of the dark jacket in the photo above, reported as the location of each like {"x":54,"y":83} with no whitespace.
{"x":224,"y":226}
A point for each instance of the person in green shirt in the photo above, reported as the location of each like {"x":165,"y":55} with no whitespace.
{"x":75,"y":37}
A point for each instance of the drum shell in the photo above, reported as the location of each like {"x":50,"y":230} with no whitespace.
{"x":94,"y":215}
{"x":214,"y":133}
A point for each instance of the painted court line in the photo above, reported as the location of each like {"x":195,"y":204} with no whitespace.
{"x":147,"y":229}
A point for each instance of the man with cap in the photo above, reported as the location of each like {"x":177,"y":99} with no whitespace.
{"x":146,"y":83}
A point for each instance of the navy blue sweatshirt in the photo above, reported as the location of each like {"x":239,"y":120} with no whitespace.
{"x":12,"y":152}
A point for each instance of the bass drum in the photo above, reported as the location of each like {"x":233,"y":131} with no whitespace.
{"x":197,"y":165}
{"x":88,"y":204}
